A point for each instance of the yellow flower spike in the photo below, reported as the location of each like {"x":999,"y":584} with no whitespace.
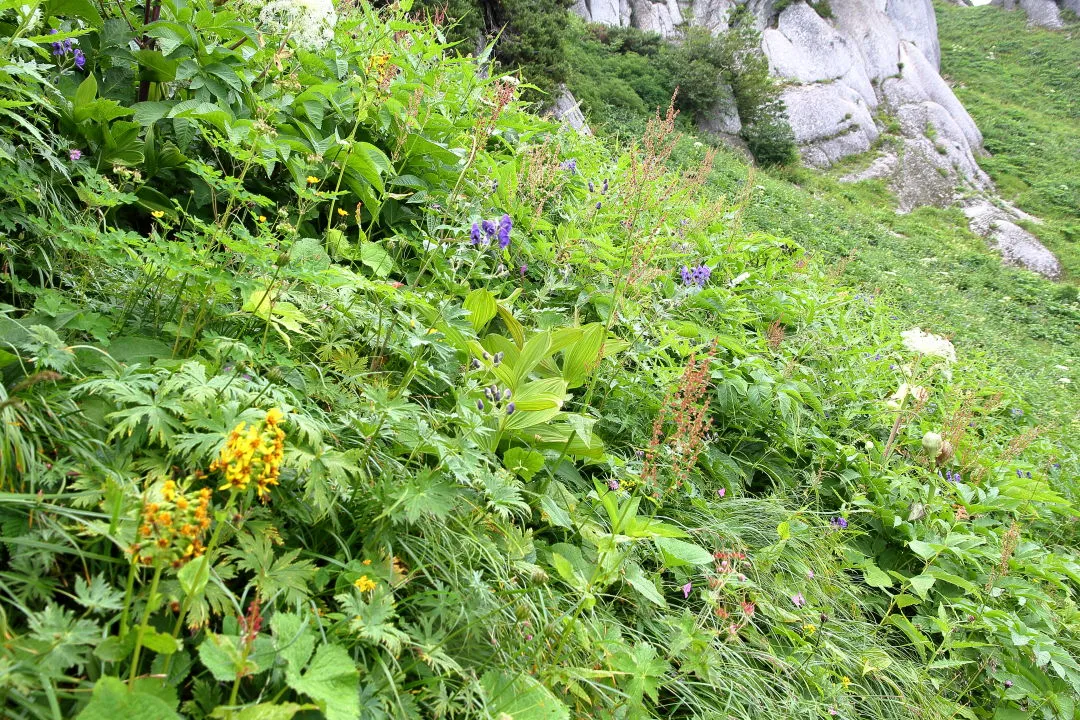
{"x":274,"y":416}
{"x":845,"y":681}
{"x":158,"y":214}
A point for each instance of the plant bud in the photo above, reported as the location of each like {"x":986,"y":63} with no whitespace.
{"x":946,"y":453}
{"x":931,"y":443}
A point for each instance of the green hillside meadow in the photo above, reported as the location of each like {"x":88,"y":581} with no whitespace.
{"x":339,"y":383}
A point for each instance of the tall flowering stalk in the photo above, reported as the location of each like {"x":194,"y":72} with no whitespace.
{"x":686,"y":415}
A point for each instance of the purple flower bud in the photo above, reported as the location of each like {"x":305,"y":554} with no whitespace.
{"x":1019,"y":474}
{"x":480,"y":405}
{"x":1028,"y":474}
{"x":1008,"y":683}
{"x":523,"y":269}
{"x":686,"y":589}
{"x":507,"y":394}
{"x":511,"y":408}
{"x":592,"y":187}
{"x":505,"y":226}
{"x":603,"y":191}
{"x":598,"y":205}
{"x":80,"y":59}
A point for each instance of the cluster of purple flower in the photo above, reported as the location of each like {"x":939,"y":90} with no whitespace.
{"x":839,"y":522}
{"x":1021,"y":474}
{"x":497,"y":397}
{"x":697,"y":276}
{"x":953,"y":477}
{"x":63,"y":48}
{"x":570,"y":165}
{"x":488,"y":230}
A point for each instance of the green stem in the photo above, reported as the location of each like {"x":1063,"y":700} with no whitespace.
{"x":151,"y":603}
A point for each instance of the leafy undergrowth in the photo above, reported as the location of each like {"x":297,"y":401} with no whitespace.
{"x":1022,"y":87}
{"x":338,"y":384}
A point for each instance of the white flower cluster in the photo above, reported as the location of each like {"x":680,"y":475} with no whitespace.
{"x":925,"y":343}
{"x":310,"y":23}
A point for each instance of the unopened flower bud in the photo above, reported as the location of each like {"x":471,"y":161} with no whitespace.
{"x":931,"y":443}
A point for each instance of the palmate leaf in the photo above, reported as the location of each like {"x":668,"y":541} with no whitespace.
{"x":156,"y":416}
{"x":273,"y":575}
{"x":373,"y":620}
{"x":426,"y":494}
{"x":98,"y":595}
{"x":331,"y":679}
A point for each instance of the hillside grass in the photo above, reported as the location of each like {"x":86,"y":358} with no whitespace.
{"x":1022,"y":86}
{"x":339,"y":384}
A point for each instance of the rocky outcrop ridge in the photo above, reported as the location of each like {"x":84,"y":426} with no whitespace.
{"x":851,"y":68}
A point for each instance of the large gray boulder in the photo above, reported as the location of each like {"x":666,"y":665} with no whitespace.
{"x":1016,"y":245}
{"x":830,"y":122}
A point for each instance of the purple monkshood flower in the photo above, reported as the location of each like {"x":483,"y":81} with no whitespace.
{"x":592,"y":188}
{"x":523,"y":269}
{"x":505,"y":226}
{"x":570,"y":165}
{"x":80,"y":59}
{"x":686,"y":589}
{"x":603,"y":190}
{"x":489,"y":229}
{"x":697,"y":276}
{"x":598,"y":205}
{"x":75,"y":155}
{"x":839,"y":522}
{"x":1019,"y":474}
{"x":475,"y":235}
{"x":798,"y":600}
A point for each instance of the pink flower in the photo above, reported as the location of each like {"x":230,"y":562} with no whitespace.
{"x":75,"y":155}
{"x":686,"y":589}
{"x":721,"y":492}
{"x":834,"y":711}
{"x":810,"y":574}
{"x":798,"y":600}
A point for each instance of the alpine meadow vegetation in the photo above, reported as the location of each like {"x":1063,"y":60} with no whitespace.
{"x":340,"y":383}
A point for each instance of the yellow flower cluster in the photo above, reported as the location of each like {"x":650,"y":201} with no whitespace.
{"x":253,"y":454}
{"x":364,"y":583}
{"x":173,"y":529}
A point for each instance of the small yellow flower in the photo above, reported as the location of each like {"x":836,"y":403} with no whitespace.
{"x":367,"y":562}
{"x":262,"y":218}
{"x":364,"y":583}
{"x":158,"y":214}
{"x":312,"y":179}
{"x":809,"y":628}
{"x":342,"y":212}
{"x":845,"y":681}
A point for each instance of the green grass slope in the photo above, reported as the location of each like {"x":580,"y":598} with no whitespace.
{"x":1022,"y":87}
{"x":336,"y":383}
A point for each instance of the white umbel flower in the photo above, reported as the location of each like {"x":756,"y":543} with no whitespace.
{"x":310,"y":23}
{"x":925,"y":343}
